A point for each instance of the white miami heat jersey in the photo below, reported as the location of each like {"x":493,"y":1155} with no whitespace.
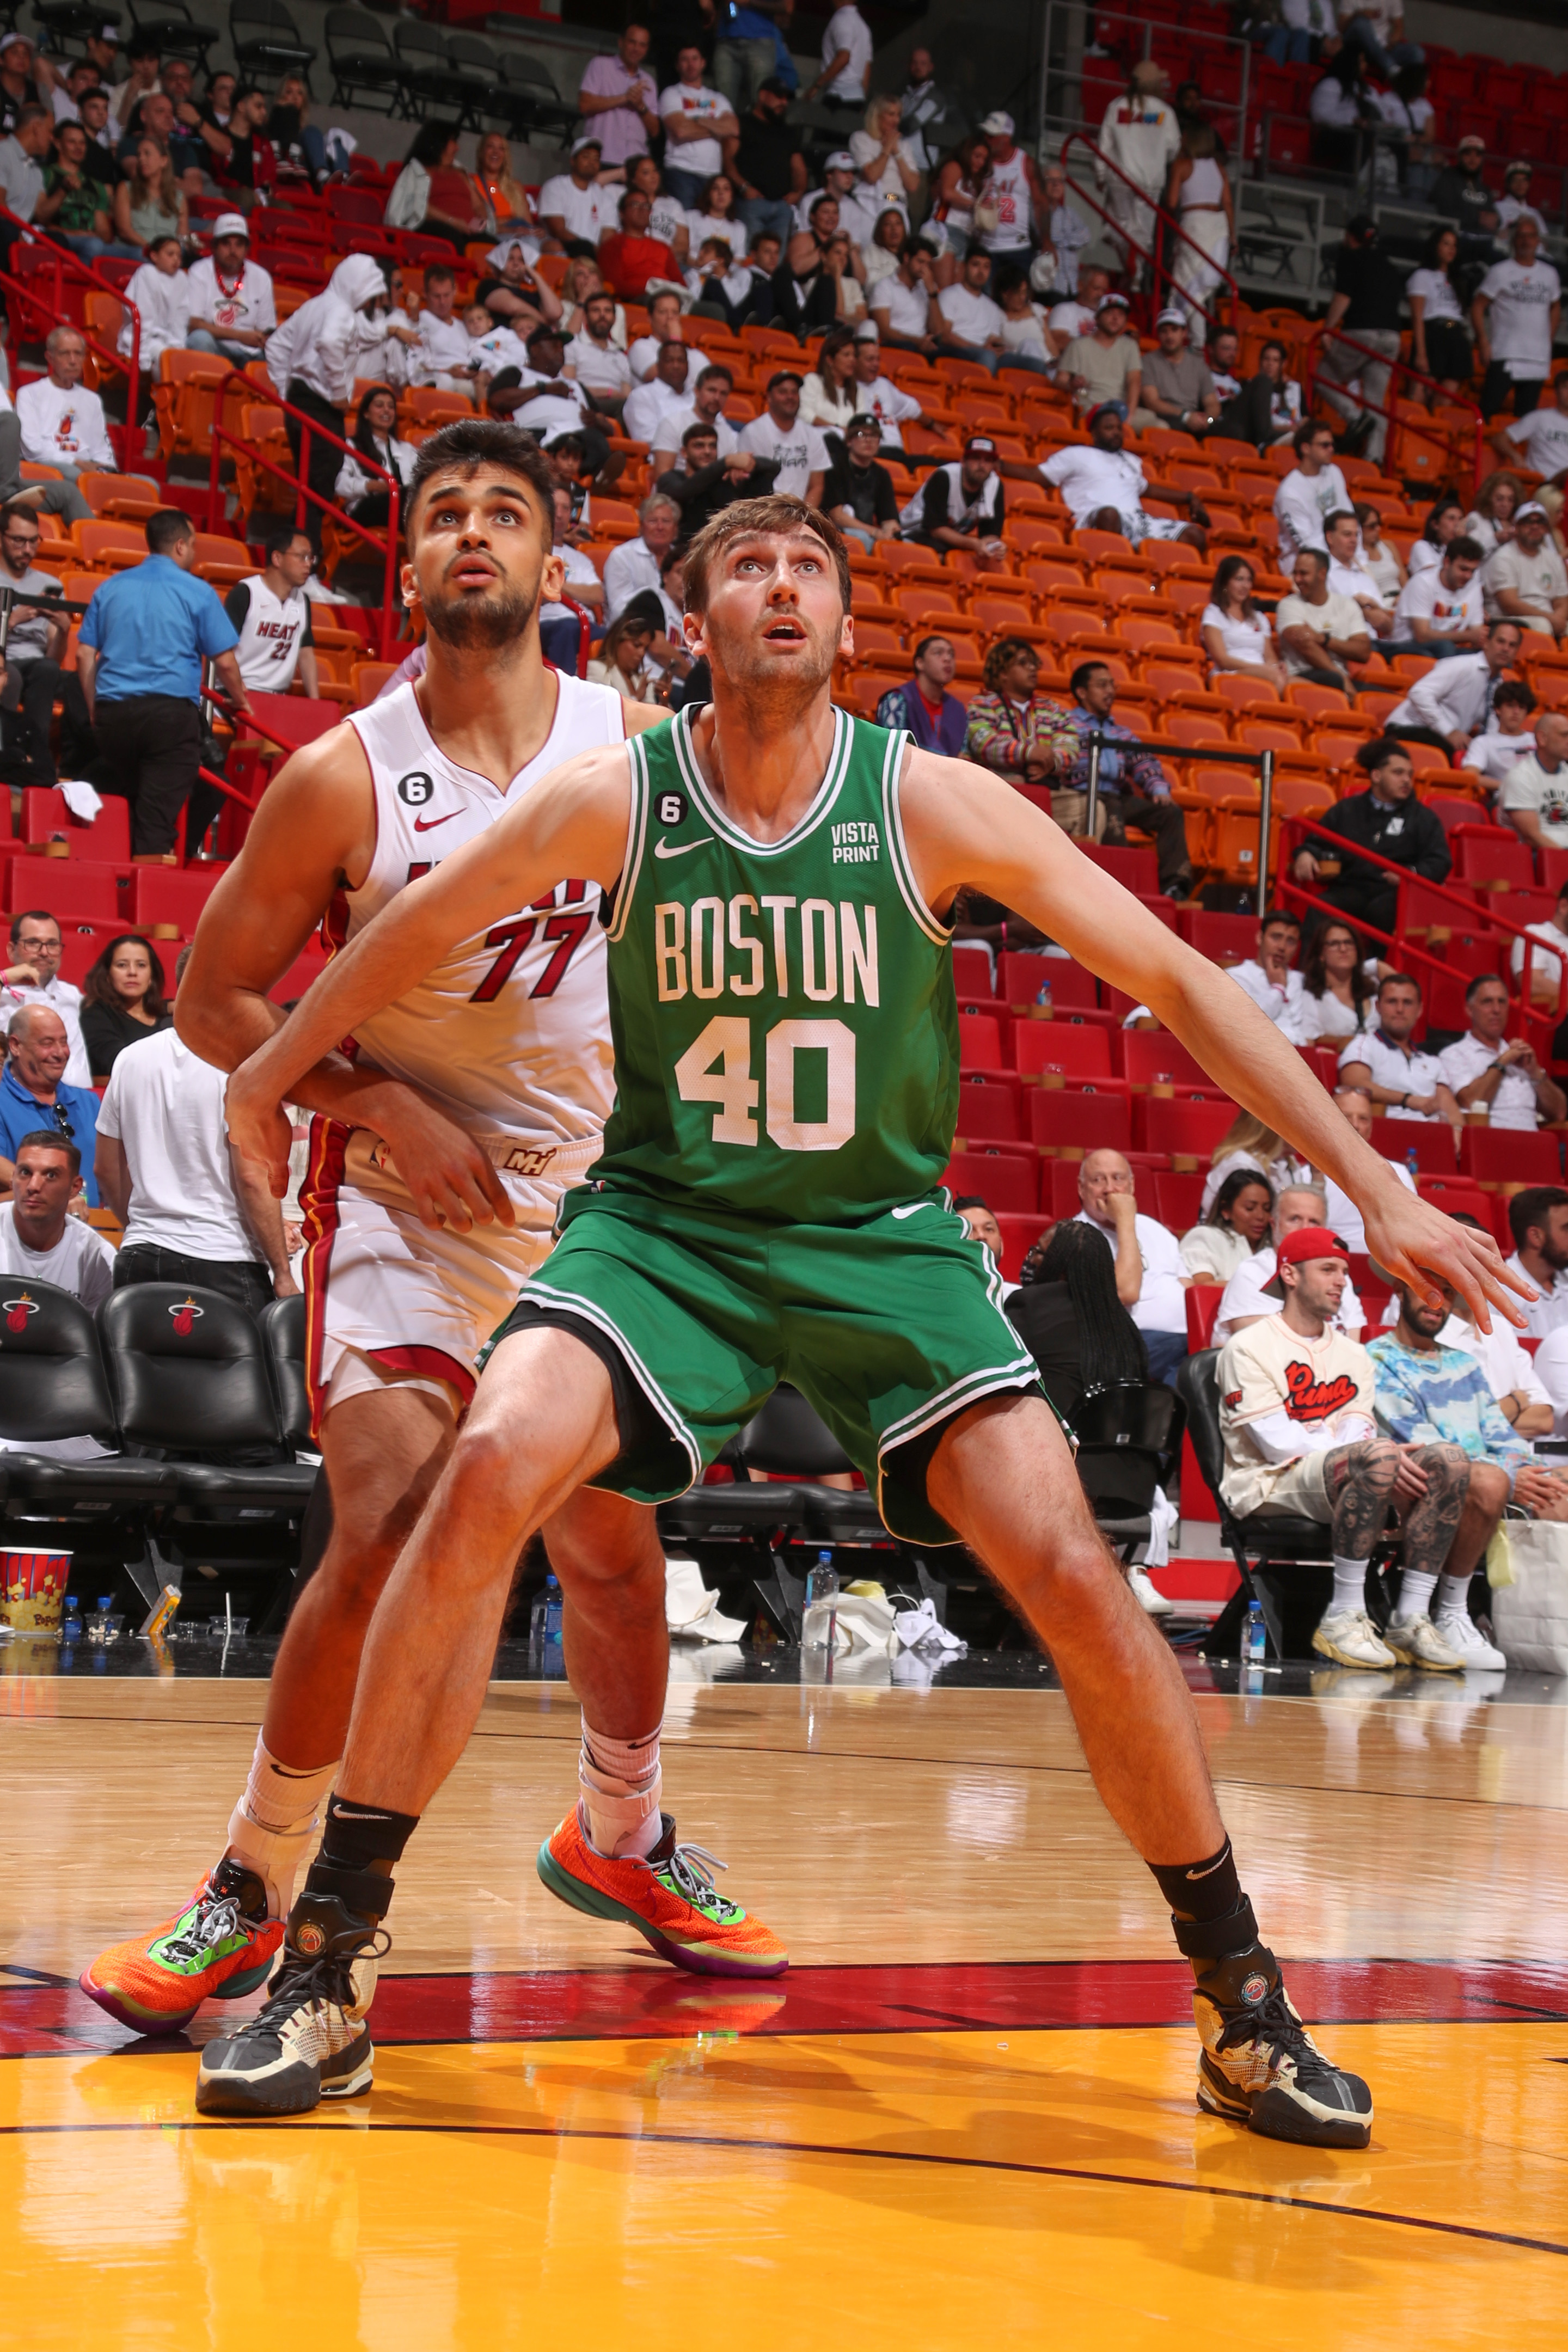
{"x":510,"y":1033}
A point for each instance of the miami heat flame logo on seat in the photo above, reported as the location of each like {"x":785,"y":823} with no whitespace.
{"x":184,"y":1315}
{"x":18,"y":1311}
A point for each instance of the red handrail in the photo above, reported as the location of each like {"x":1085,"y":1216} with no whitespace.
{"x":299,"y":484}
{"x":1125,"y":236}
{"x":1290,"y":892}
{"x":1396,"y":423}
{"x":64,"y":259}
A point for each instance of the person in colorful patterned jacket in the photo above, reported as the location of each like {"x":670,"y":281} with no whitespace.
{"x":1014,"y":730}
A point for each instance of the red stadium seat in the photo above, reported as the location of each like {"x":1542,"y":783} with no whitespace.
{"x":1024,"y":976}
{"x":1224,"y":938}
{"x":1490,"y":854}
{"x":982,"y":1045}
{"x":1178,"y":1201}
{"x":69,"y":886}
{"x":1188,"y":1130}
{"x":1078,"y":1120}
{"x":163,"y":894}
{"x":972,"y":971}
{"x":1055,"y":1054}
{"x":45,"y":817}
{"x":1019,"y":1235}
{"x":1002,"y":1183}
{"x":1430,"y":1142}
{"x":1203,"y":1313}
{"x":1152,"y":1057}
{"x":1137,"y":870}
{"x":1510,"y":1157}
{"x":988,"y":1112}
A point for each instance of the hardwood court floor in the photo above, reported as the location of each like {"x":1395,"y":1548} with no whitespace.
{"x":963,"y":2118}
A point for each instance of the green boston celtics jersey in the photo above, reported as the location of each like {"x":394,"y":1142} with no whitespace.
{"x":785,"y":1023}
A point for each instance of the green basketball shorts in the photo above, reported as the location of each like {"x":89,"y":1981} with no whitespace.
{"x":890,"y":1328}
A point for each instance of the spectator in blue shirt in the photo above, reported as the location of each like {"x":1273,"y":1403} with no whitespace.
{"x":143,"y":638}
{"x":937,"y":720}
{"x":1134,"y":790}
{"x":746,"y":49}
{"x":33,"y":1094}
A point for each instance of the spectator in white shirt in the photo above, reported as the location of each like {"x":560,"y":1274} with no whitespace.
{"x":193,"y":1212}
{"x":40,"y":1240}
{"x":705,"y":406}
{"x":665,"y":325}
{"x":1235,"y":634}
{"x":1515,"y":315}
{"x":1486,"y":1071}
{"x":1150,"y":1276}
{"x":442,"y":357}
{"x":1440,"y":611}
{"x":1454,"y":700}
{"x":1525,"y":579}
{"x":798,"y":450}
{"x":1403,"y":1081}
{"x":1343,"y":1216}
{"x":1338,"y":992}
{"x":596,"y":360}
{"x":574,"y":212}
{"x":876,"y":395}
{"x":233,"y":308}
{"x":1348,"y":576}
{"x":888,"y":168}
{"x":1252,"y":1292}
{"x":901,"y":305}
{"x":1103,"y":484}
{"x":1538,"y":1220}
{"x":1310,"y":494}
{"x":1319,"y":634}
{"x":1511,"y":737}
{"x":1541,"y":436}
{"x":1270,"y":977}
{"x":635,"y":563}
{"x":1507,"y":1366}
{"x":648,"y":404}
{"x":1534,"y":798}
{"x":1235,"y":1225}
{"x":1546,"y":969}
{"x":314,"y":360}
{"x":62,"y":422}
{"x":973,"y":322}
{"x":696,"y":121}
{"x":32,"y":976}
{"x":160,"y":293}
{"x":846,"y":51}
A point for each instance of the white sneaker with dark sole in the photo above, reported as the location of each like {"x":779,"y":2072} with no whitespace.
{"x":1350,"y":1638}
{"x":1260,"y":2066}
{"x":1147,"y":1593}
{"x":309,"y":2040}
{"x":1475,"y":1652}
{"x":1417,"y":1642}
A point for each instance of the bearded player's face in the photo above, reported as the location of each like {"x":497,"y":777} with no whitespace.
{"x":776,"y":614}
{"x":479,"y":561}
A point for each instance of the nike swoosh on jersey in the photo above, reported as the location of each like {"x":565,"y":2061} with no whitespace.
{"x":662,"y":848}
{"x":429,"y":825}
{"x":914,"y":1208}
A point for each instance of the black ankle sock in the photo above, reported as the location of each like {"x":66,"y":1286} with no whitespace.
{"x":1201,"y":1890}
{"x":360,"y":1845}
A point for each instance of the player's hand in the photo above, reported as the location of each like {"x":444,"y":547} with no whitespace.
{"x":259,"y":1130}
{"x":451,"y":1178}
{"x":1420,"y":1247}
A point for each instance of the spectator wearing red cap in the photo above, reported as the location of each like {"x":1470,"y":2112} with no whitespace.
{"x":1301,"y":1442}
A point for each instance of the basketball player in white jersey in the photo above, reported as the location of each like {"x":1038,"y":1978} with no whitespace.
{"x":442,"y":1143}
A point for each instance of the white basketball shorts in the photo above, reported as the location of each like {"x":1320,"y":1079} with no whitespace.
{"x":388,"y":1298}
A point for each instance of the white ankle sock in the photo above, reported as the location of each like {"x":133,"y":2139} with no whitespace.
{"x":1417,"y":1587}
{"x":1350,"y":1584}
{"x":621,"y":1782}
{"x":271,"y":1827}
{"x":1453,"y":1597}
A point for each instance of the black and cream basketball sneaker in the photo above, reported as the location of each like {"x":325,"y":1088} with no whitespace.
{"x":310,"y":2042}
{"x":1258,"y":2064}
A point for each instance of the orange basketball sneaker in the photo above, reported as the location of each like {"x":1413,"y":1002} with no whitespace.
{"x":218,"y":1947}
{"x":670,"y":1898}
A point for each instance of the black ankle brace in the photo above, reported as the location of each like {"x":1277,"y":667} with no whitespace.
{"x":1200,"y":1890}
{"x":1217,"y":1939}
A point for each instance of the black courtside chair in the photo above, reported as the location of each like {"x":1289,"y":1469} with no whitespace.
{"x":189,"y":1375}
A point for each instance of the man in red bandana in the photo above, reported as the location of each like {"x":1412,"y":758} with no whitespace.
{"x":1301,"y":1440}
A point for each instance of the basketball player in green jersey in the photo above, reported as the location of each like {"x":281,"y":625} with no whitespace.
{"x":766,"y":1209}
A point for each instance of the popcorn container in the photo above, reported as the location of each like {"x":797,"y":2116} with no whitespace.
{"x":33,"y":1589}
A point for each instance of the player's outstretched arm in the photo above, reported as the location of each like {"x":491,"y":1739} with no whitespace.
{"x":574,"y":822}
{"x":963,"y":827}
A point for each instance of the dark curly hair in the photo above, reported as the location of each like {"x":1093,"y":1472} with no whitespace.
{"x":1002,"y":655}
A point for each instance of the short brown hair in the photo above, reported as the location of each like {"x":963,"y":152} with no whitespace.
{"x":769,"y":517}
{"x":475,"y":441}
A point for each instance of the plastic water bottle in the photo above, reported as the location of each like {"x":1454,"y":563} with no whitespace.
{"x":819,"y":1624}
{"x":1254,"y":1641}
{"x":1411,"y":1163}
{"x":70,"y":1628}
{"x":552,"y":1605}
